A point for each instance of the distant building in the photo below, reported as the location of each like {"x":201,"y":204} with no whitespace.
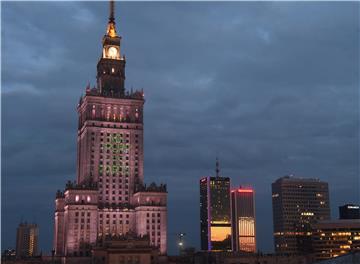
{"x":215,"y":223}
{"x":297,"y":203}
{"x":243,"y":220}
{"x":349,"y":211}
{"x":27,"y":240}
{"x":335,"y":238}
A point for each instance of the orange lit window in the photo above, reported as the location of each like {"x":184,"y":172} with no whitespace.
{"x":220,"y":233}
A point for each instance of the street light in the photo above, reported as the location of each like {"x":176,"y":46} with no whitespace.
{"x":181,"y":242}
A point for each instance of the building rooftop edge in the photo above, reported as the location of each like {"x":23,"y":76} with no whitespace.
{"x":214,"y":177}
{"x":301,"y":179}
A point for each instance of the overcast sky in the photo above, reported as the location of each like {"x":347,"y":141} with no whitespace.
{"x":270,"y":86}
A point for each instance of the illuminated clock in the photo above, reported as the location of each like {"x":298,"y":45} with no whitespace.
{"x":112,"y":52}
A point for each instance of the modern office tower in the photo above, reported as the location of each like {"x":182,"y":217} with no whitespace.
{"x":27,"y":236}
{"x":297,"y":203}
{"x":243,"y":220}
{"x":215,"y":223}
{"x":109,"y":196}
{"x":335,"y":238}
{"x":349,"y":211}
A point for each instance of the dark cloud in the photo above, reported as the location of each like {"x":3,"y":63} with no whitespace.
{"x":270,"y":86}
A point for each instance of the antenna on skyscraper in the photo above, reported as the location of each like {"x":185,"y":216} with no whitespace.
{"x":217,"y":169}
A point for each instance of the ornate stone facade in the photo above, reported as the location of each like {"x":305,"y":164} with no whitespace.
{"x":109,"y":196}
{"x":129,"y":248}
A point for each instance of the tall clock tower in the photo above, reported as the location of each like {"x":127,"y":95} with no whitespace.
{"x":109,"y":197}
{"x":111,"y":66}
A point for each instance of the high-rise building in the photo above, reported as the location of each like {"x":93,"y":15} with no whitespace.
{"x":27,"y":236}
{"x":336,"y":237}
{"x":349,"y":211}
{"x":243,"y":220}
{"x":297,"y":203}
{"x":215,"y":218}
{"x":109,"y":196}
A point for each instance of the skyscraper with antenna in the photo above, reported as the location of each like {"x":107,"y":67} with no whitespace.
{"x":215,"y":217}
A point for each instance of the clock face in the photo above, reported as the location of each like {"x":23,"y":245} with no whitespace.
{"x":112,"y":52}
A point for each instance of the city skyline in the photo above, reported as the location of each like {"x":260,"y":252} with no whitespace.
{"x":238,"y":96}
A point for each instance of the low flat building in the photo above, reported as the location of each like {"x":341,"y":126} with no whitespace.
{"x":351,"y":258}
{"x":335,"y":238}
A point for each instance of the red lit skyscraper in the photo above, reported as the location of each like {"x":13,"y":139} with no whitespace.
{"x":215,"y":216}
{"x":109,"y":196}
{"x":243,"y":220}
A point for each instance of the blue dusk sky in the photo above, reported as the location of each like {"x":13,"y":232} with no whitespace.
{"x":272,"y":87}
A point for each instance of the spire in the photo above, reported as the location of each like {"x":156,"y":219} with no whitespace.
{"x":111,"y":30}
{"x":217,"y":170}
{"x":112,"y":9}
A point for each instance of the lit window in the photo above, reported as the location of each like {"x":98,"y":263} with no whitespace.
{"x":77,"y":198}
{"x":93,"y":111}
{"x":88,"y":198}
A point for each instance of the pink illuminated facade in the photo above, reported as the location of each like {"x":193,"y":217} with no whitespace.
{"x":109,"y":196}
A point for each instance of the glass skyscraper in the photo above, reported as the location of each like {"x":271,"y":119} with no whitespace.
{"x":215,"y":218}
